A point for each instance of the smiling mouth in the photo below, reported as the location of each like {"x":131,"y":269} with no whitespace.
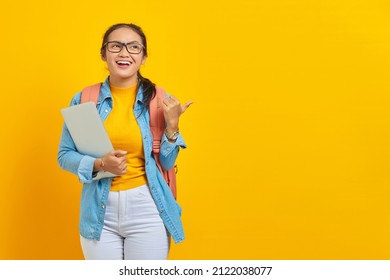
{"x":123,"y":62}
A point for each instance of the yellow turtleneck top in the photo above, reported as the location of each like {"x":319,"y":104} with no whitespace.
{"x":122,"y":128}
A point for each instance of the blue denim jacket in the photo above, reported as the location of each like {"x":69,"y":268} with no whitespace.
{"x":95,"y":192}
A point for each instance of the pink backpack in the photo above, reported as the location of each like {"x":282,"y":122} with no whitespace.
{"x":157,"y":127}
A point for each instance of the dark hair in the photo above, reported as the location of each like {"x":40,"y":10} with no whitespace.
{"x":148,"y":87}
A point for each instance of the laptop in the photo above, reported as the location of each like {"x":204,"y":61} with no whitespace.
{"x":88,"y":133}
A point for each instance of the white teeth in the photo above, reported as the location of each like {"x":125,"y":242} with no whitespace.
{"x":123,"y":62}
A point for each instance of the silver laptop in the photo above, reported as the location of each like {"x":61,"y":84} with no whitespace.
{"x":88,"y":133}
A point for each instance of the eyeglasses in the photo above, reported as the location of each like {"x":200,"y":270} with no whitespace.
{"x":132,"y":47}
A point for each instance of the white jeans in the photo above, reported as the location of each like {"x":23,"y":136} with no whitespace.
{"x":133,"y":229}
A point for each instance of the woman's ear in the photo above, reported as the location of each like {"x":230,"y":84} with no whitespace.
{"x":143,"y":60}
{"x":103,"y":54}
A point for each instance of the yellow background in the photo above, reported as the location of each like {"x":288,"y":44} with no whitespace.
{"x":288,"y":138}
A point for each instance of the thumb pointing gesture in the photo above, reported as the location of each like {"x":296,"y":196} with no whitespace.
{"x":185,"y":106}
{"x":173,"y":110}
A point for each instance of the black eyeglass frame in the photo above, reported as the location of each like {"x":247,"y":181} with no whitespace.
{"x":124,"y":45}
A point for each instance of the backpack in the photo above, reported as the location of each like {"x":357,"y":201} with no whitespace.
{"x":157,"y":127}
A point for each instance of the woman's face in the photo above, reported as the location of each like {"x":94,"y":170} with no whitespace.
{"x":123,"y":66}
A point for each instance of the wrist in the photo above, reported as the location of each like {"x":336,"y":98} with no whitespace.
{"x":98,"y":164}
{"x":171,"y":128}
{"x":172,"y":135}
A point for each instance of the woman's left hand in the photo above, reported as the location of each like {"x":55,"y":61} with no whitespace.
{"x":172,"y":112}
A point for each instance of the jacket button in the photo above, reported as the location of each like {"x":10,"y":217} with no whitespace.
{"x":103,"y":206}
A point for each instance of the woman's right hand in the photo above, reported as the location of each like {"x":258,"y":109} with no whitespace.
{"x":113,"y":162}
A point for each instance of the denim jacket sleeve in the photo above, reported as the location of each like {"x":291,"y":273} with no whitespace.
{"x":70,"y":159}
{"x":169,"y":151}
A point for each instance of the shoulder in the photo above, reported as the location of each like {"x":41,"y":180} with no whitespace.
{"x":90,"y":89}
{"x":76,"y":99}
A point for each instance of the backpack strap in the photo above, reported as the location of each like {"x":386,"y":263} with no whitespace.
{"x":157,"y":127}
{"x":157,"y":122}
{"x":91,"y":93}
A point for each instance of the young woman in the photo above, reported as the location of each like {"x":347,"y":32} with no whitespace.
{"x":132,"y":215}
